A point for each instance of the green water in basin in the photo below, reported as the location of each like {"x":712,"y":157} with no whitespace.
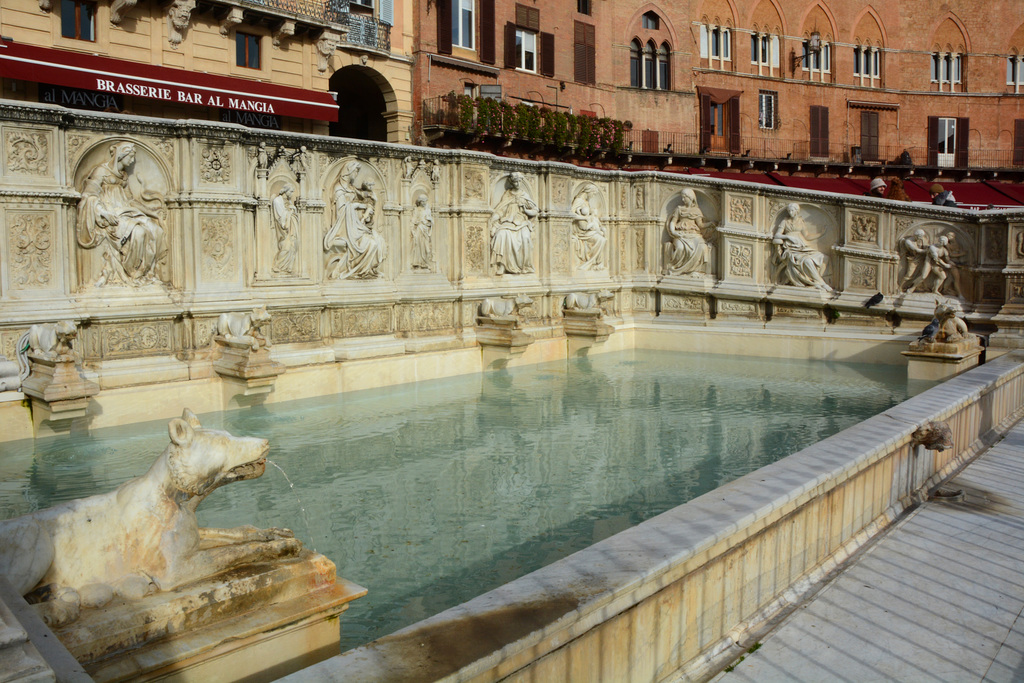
{"x":433,"y":493}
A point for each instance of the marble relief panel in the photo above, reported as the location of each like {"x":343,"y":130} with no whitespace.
{"x":215,"y":164}
{"x":429,"y":316}
{"x":863,"y":275}
{"x":218,"y":245}
{"x":28,"y":152}
{"x":863,"y":228}
{"x":295,"y":326}
{"x":147,"y":338}
{"x":361,"y":321}
{"x":31,"y":242}
{"x":475,"y":249}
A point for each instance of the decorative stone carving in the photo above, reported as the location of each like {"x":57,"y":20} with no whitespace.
{"x":31,"y":243}
{"x":326,"y":44}
{"x":75,"y":143}
{"x":118,"y":8}
{"x":286,"y":225}
{"x":560,"y":191}
{"x":233,"y":18}
{"x":639,"y":198}
{"x":435,"y":172}
{"x":422,"y":235}
{"x":687,"y":250}
{"x":142,"y":537}
{"x":927,"y":266}
{"x":215,"y":165}
{"x":355,"y":250}
{"x":741,"y":210}
{"x":296,"y":326}
{"x":511,"y":228}
{"x":944,"y":348}
{"x":934,"y":436}
{"x":301,"y":162}
{"x":217,"y":263}
{"x":127,"y":227}
{"x":427,"y":317}
{"x":589,"y":236}
{"x":741,"y":260}
{"x":864,"y":275}
{"x":10,"y":375}
{"x":796,"y":263}
{"x":27,"y":153}
{"x":137,"y":339}
{"x":244,"y":351}
{"x":640,"y":243}
{"x":474,"y":183}
{"x":498,"y":324}
{"x":362,"y":322}
{"x":864,"y":228}
{"x":179,"y":13}
{"x":284,"y":29}
{"x":476,"y":249}
{"x":245,"y":327}
{"x":587,"y":301}
{"x":582,"y":313}
{"x":51,"y":377}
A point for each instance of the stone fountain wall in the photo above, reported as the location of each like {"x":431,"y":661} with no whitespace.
{"x":144,"y":231}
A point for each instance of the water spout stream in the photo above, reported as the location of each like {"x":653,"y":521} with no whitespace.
{"x":302,"y":509}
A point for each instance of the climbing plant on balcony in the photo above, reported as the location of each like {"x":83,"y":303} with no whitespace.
{"x":487,"y":117}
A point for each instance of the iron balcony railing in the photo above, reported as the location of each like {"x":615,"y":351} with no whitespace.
{"x":367,"y":31}
{"x":362,"y":30}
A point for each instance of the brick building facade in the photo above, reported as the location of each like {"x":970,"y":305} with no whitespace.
{"x":819,"y":81}
{"x":275,"y":64}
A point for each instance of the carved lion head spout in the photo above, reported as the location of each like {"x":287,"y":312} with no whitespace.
{"x":142,"y":537}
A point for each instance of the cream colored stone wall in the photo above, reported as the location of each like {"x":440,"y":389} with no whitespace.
{"x":208,"y":243}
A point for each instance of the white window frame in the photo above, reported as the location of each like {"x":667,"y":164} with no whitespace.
{"x":1015,"y":72}
{"x":947,"y":132}
{"x":947,"y":70}
{"x":463,"y":16}
{"x":526,"y":45}
{"x":819,"y":63}
{"x":716,"y":45}
{"x":767,"y":107}
{"x":764,"y":53}
{"x":867,"y":65}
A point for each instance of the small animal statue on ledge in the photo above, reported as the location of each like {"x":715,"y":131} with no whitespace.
{"x":143,"y":536}
{"x":247,"y":327}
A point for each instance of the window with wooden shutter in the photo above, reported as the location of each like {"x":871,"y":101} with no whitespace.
{"x":869,"y":135}
{"x":487,"y":55}
{"x":734,"y":124}
{"x":547,"y":54}
{"x":705,"y":123}
{"x":933,"y":140}
{"x":510,"y":45}
{"x":527,"y":17}
{"x":963,"y":131}
{"x":819,"y":131}
{"x":584,"y":53}
{"x":1018,"y":142}
{"x":444,"y":26}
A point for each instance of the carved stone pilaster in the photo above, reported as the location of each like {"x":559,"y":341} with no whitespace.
{"x":57,"y":388}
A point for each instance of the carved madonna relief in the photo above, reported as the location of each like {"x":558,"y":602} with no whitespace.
{"x":797,"y":234}
{"x":934,"y":258}
{"x":589,"y":234}
{"x":512,"y":224}
{"x":689,"y":234}
{"x":354,"y":245}
{"x":122,"y":216}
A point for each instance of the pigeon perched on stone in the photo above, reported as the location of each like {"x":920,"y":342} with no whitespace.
{"x":930,"y":331}
{"x":876,"y":299}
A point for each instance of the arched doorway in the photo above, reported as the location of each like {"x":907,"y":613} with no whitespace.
{"x":363,"y":99}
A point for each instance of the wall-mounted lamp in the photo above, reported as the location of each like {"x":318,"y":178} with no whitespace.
{"x":813,"y":47}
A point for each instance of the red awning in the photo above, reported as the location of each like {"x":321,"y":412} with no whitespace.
{"x":104,"y":74}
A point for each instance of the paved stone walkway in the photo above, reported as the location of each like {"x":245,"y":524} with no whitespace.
{"x":939,"y":598}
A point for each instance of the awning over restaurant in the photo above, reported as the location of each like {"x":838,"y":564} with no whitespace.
{"x":104,"y":74}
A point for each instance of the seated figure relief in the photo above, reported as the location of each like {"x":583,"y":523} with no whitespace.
{"x":124,"y":223}
{"x":687,"y":251}
{"x":354,"y":247}
{"x":589,"y":236}
{"x":795,"y":262}
{"x":512,"y":224}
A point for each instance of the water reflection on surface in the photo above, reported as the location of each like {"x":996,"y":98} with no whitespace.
{"x":433,"y":493}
